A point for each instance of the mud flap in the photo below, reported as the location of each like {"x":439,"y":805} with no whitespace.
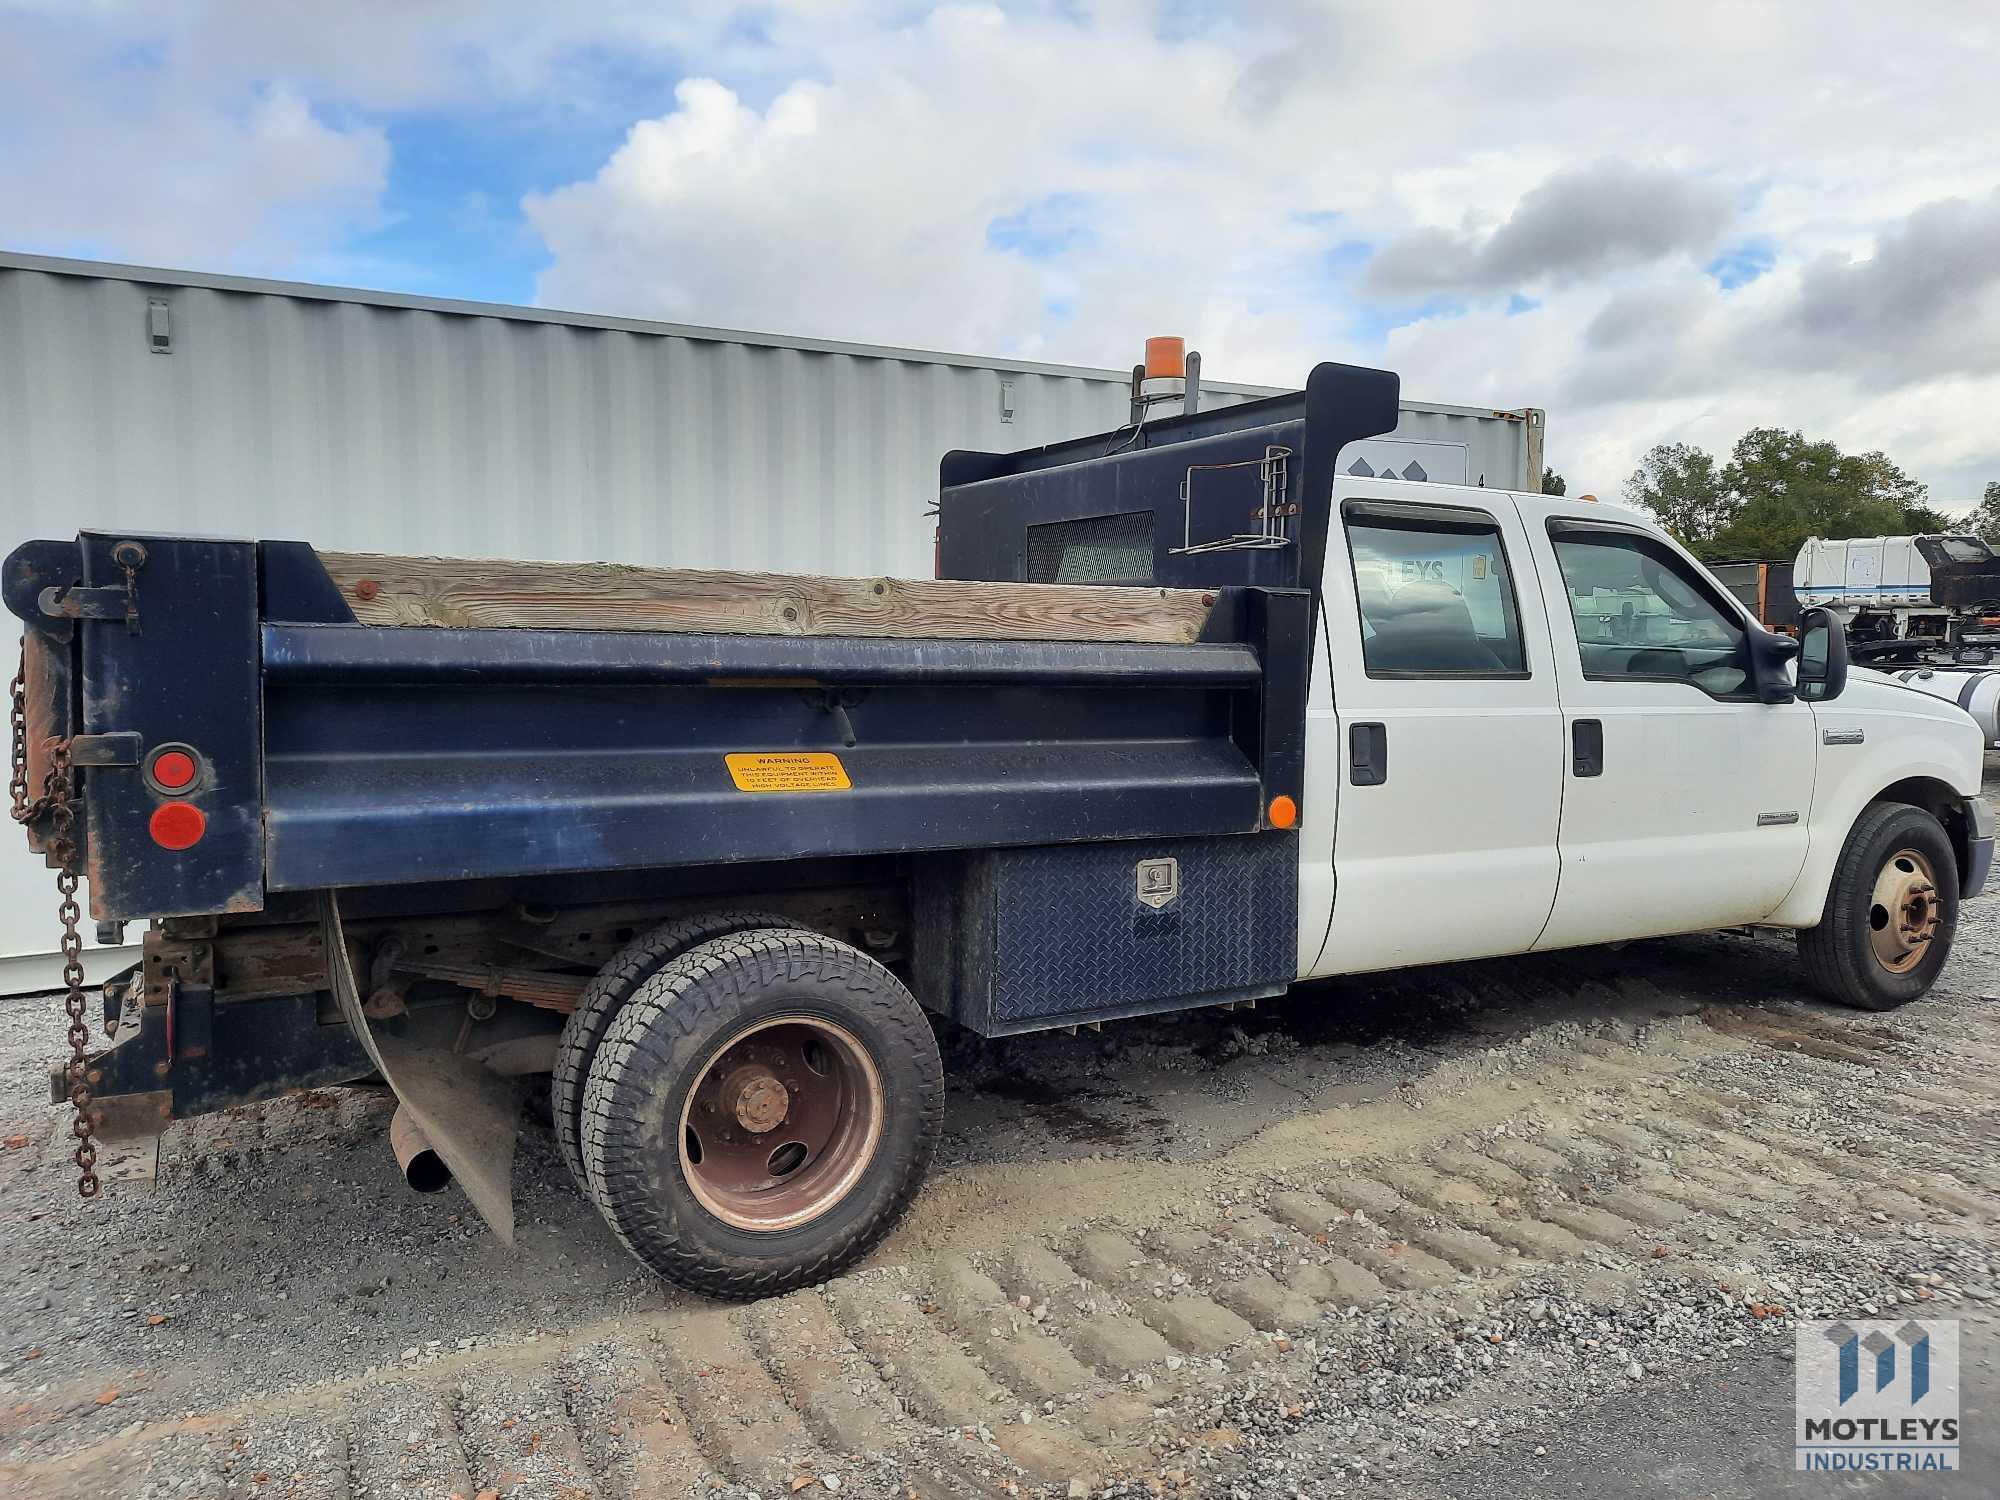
{"x":468,"y":1111}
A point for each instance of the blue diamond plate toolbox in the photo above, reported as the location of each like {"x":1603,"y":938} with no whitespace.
{"x":1021,"y":939}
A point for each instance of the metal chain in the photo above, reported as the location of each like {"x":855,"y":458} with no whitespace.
{"x":58,"y":788}
{"x":17,"y":721}
{"x":55,"y":802}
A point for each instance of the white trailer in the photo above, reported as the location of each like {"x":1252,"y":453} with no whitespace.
{"x":1883,"y":589}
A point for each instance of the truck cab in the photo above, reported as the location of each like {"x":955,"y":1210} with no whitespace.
{"x":1537,"y":723}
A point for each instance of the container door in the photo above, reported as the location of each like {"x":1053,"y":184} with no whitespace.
{"x":1448,"y":738}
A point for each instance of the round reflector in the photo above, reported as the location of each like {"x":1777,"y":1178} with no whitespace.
{"x":177,"y":825}
{"x":1284,"y":812}
{"x":173,"y":769}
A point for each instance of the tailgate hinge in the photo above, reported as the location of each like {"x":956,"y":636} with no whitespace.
{"x":112,"y":601}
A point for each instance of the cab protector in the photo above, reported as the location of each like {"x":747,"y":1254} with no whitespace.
{"x":1198,"y":479}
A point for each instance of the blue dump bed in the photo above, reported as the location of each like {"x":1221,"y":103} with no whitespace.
{"x":377,"y":806}
{"x":356,"y":721}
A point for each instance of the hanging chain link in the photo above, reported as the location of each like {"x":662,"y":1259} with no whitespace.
{"x":17,"y":721}
{"x":55,"y":802}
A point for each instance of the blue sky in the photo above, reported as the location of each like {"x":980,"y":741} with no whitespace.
{"x":452,"y":223}
{"x":1700,"y":219}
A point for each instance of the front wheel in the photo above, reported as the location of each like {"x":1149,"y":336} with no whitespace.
{"x":761,"y":1111}
{"x":1891,"y":911}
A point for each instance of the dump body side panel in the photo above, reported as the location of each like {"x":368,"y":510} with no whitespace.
{"x":339,"y":755}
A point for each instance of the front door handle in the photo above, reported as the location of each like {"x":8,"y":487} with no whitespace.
{"x":1586,"y":740}
{"x":1367,"y":754}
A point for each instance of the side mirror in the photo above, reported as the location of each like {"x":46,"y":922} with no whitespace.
{"x":1822,"y":656}
{"x":1769,"y":654}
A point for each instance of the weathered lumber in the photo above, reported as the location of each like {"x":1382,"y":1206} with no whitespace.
{"x":447,"y":592}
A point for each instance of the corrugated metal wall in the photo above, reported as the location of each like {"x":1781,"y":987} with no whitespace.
{"x":408,"y":430}
{"x":372,"y":422}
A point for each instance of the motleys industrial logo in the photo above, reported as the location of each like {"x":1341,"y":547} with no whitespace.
{"x":1877,"y":1397}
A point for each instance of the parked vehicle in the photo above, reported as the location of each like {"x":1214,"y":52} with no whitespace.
{"x":705,"y":849}
{"x":1907,"y":598}
{"x":1974,"y":689}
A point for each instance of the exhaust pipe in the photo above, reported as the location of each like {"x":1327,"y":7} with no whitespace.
{"x":423,"y":1168}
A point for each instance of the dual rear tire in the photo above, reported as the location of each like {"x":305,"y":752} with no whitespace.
{"x":755,"y":1110}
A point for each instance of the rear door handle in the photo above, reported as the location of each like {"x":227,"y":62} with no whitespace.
{"x":1586,"y":739}
{"x":1367,"y":754}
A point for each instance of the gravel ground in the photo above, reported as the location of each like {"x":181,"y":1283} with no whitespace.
{"x":1538,"y":1228}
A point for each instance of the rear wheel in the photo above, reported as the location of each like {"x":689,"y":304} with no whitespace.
{"x":630,"y":967}
{"x":761,"y":1111}
{"x":1891,"y":911}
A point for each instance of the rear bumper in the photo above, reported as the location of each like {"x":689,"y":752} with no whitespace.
{"x":1978,"y":846}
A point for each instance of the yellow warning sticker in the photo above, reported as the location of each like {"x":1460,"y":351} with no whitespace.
{"x":797,"y":771}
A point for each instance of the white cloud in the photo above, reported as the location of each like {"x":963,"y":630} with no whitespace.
{"x":1210,"y":173}
{"x":1058,"y":180}
{"x":249,"y":136}
{"x":112,"y":155}
{"x":1607,"y":216}
{"x":875,"y":201}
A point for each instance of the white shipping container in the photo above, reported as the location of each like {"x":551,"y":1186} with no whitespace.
{"x":140,"y":399}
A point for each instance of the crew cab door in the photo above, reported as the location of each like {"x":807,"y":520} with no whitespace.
{"x":1685,"y":799}
{"x":1447,"y":755}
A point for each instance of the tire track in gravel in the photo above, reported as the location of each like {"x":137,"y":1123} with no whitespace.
{"x":1035,"y":1325}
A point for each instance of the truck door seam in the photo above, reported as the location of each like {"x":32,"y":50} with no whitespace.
{"x":1562,"y":716}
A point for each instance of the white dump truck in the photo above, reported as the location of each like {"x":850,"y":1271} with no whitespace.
{"x":716,"y":852}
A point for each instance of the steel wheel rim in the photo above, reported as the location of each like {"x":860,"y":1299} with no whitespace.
{"x":1903,"y":911}
{"x":782,"y":1121}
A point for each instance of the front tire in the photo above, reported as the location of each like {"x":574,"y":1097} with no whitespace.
{"x":1891,"y":911}
{"x":761,"y":1112}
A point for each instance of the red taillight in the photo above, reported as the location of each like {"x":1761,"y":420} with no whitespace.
{"x":177,"y":825}
{"x":174,"y":769}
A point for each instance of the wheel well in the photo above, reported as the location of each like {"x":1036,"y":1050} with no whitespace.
{"x":1941,"y":802}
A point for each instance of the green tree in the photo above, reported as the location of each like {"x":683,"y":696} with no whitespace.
{"x":1786,"y":488}
{"x":1985,"y":517}
{"x":1684,"y":490}
{"x":1918,"y":518}
{"x":1552,"y":483}
{"x":1884,"y":480}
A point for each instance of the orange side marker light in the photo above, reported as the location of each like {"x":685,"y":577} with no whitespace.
{"x":1284,"y":812}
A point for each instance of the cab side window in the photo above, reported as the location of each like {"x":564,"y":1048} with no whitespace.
{"x":1435,"y":593}
{"x":1642,"y":614}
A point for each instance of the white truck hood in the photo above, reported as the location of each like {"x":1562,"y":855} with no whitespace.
{"x":1946,"y":734}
